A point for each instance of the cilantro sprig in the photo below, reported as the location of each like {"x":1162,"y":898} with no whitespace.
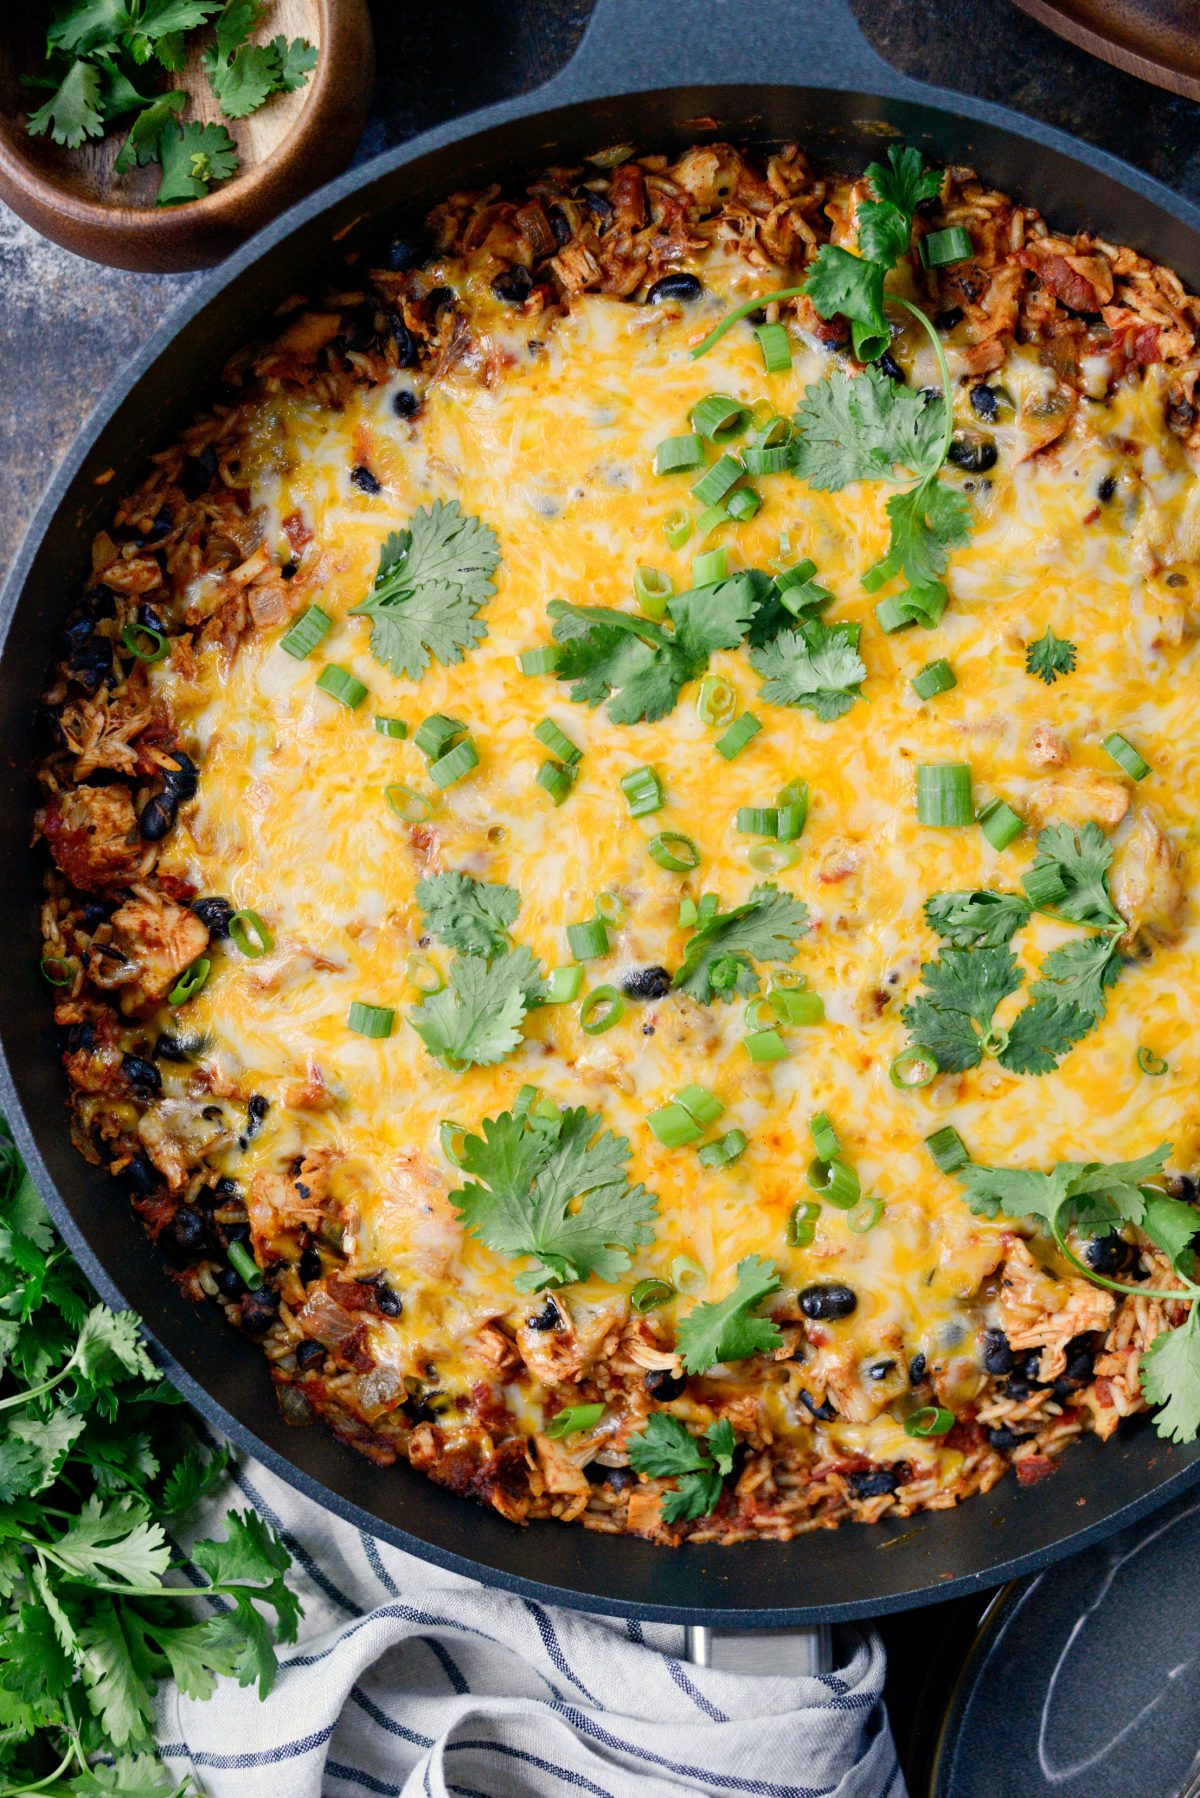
{"x":816,"y":666}
{"x":1049,"y":657}
{"x":717,"y":963}
{"x":469,"y":915}
{"x":666,"y":1450}
{"x":1095,"y":1198}
{"x":429,"y":587}
{"x":97,"y":1473}
{"x":557,"y":1192}
{"x":475,"y":1020}
{"x":715,"y":1332}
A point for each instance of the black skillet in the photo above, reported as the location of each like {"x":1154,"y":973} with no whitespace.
{"x":754,"y":72}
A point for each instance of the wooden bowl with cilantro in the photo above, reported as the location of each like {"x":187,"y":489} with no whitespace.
{"x":158,"y":134}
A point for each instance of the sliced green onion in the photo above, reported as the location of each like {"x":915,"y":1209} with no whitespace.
{"x":709,"y":566}
{"x":563,"y":985}
{"x":836,"y":1181}
{"x":942,"y":247}
{"x":371,"y":1020}
{"x":772,"y":858}
{"x":802,"y":1224}
{"x":731,"y":318}
{"x":760,"y":1014}
{"x":1044,"y":886}
{"x":434,"y":735}
{"x":935,"y":677}
{"x":306,"y":633}
{"x":573,"y":1419}
{"x":677,"y":527}
{"x":674,"y":852}
{"x":708,"y":520}
{"x":243,"y":1263}
{"x":999,"y":823}
{"x":766,"y":1045}
{"x":454,"y":764}
{"x":868,"y":343}
{"x":521,"y":1103}
{"x":707,"y":908}
{"x":688,"y":914}
{"x":395,"y":728}
{"x":725,"y":1151}
{"x":674,"y":1126}
{"x":543,"y":660}
{"x":865,"y":1215}
{"x":159,"y":642}
{"x":676,"y":454}
{"x":560,"y":745}
{"x":791,"y":818}
{"x":758,"y":459}
{"x":688,"y":1276}
{"x":588,"y":940}
{"x":1126,"y":756}
{"x":700,"y":1104}
{"x":944,"y":794}
{"x":916,"y":605}
{"x":648,"y":1295}
{"x":67,"y":974}
{"x":743,"y":504}
{"x":544,"y":1116}
{"x":452,"y":1136}
{"x":716,"y":699}
{"x":914,"y":1067}
{"x":190,"y":981}
{"x":724,"y":971}
{"x":758,"y":820}
{"x":556,"y":780}
{"x":249,"y":934}
{"x":341,"y":685}
{"x":652,"y":589}
{"x":602,"y":1008}
{"x":740,"y":732}
{"x":930,"y":1420}
{"x":716,"y":481}
{"x":610,"y":906}
{"x":776,"y":347}
{"x":408,"y":804}
{"x":1150,"y":1063}
{"x":424,"y":975}
{"x":948,"y":1149}
{"x":825,"y":1139}
{"x":718,"y":417}
{"x":643,"y":792}
{"x":771,"y":429}
{"x":795,"y":1007}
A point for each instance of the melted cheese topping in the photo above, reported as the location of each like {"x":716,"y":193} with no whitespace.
{"x":556,"y":454}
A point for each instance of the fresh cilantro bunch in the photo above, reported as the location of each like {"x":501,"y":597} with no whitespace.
{"x":431,"y":582}
{"x":666,"y":1450}
{"x":97,"y":1474}
{"x":713,"y":1333}
{"x":475,"y":1020}
{"x":640,"y":667}
{"x":1049,"y":657}
{"x":555,"y":1190}
{"x":97,"y":51}
{"x":816,"y":666}
{"x":1096,"y":1198}
{"x":717,"y":962}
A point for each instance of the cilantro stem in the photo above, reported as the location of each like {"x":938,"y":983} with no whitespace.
{"x":1185,"y":1296}
{"x":29,"y":1392}
{"x":743,"y":311}
{"x":50,"y":1779}
{"x":944,"y":368}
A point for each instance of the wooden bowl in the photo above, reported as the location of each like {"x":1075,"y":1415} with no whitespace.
{"x":287,"y":148}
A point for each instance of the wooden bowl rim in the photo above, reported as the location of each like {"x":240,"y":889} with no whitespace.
{"x":147,"y":222}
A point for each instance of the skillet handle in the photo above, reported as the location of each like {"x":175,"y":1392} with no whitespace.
{"x":632,"y":45}
{"x":794,"y":1652}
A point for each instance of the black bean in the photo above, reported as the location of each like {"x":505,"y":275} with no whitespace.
{"x":182,"y":780}
{"x":187,"y":1229}
{"x":873,"y":1483}
{"x":548,"y":1318}
{"x":364,"y":480}
{"x":975,"y":454}
{"x":142,"y":1176}
{"x":437,"y":297}
{"x":916,"y":1369}
{"x":513,"y":286}
{"x":230,"y":1284}
{"x":94,"y":913}
{"x":236,"y":1232}
{"x":1183,"y":1187}
{"x":997,"y":1355}
{"x":1107,"y":1254}
{"x":406,"y":344}
{"x":888,"y":365}
{"x":821,"y":1302}
{"x":228,"y":1188}
{"x":985,"y":402}
{"x":161,"y":526}
{"x":661,"y":1384}
{"x":198,"y":472}
{"x":1181,"y":415}
{"x":256,"y":1110}
{"x":142,"y":1075}
{"x":560,"y":224}
{"x":824,"y":1410}
{"x":388,"y":1300}
{"x":259,"y":1310}
{"x":310,"y":1265}
{"x":91,"y":663}
{"x":1004,"y":1438}
{"x":879,"y":1370}
{"x":81,"y":1036}
{"x":407,"y":250}
{"x":1016,"y":1389}
{"x":158,"y":815}
{"x":404,"y":403}
{"x":150,"y":617}
{"x":679,"y":286}
{"x":361,"y":334}
{"x":946,"y":321}
{"x":619,"y":1478}
{"x":597,"y":203}
{"x":308,"y":1354}
{"x":214,"y":914}
{"x":646,"y":983}
{"x":288,"y":571}
{"x":1081,"y":1359}
{"x":1106,"y":489}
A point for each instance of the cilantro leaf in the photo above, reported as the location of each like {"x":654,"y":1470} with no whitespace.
{"x":474,"y":1021}
{"x":562,"y":1197}
{"x":864,"y":428}
{"x":1081,"y":857}
{"x":667,"y":1450}
{"x":113,"y":1541}
{"x":982,"y":918}
{"x":1041,"y":1034}
{"x":713,"y":1333}
{"x":1100,"y":1193}
{"x":86,"y":26}
{"x":72,"y":113}
{"x":1080,"y":973}
{"x":431,"y":582}
{"x":852,"y":286}
{"x":469,"y":915}
{"x":767,"y":927}
{"x":1049,"y":657}
{"x":245,"y":81}
{"x":193,"y":156}
{"x":237,"y":19}
{"x":116,"y":1677}
{"x":905,"y":181}
{"x":964,"y":987}
{"x":33,"y":1450}
{"x":141,"y":146}
{"x":1170,"y":1378}
{"x":294,"y":62}
{"x":927,"y":520}
{"x":816,"y":666}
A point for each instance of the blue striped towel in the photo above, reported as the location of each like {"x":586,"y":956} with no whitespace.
{"x":414,"y":1682}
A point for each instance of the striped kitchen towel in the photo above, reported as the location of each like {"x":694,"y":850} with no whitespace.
{"x":414,"y":1682}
